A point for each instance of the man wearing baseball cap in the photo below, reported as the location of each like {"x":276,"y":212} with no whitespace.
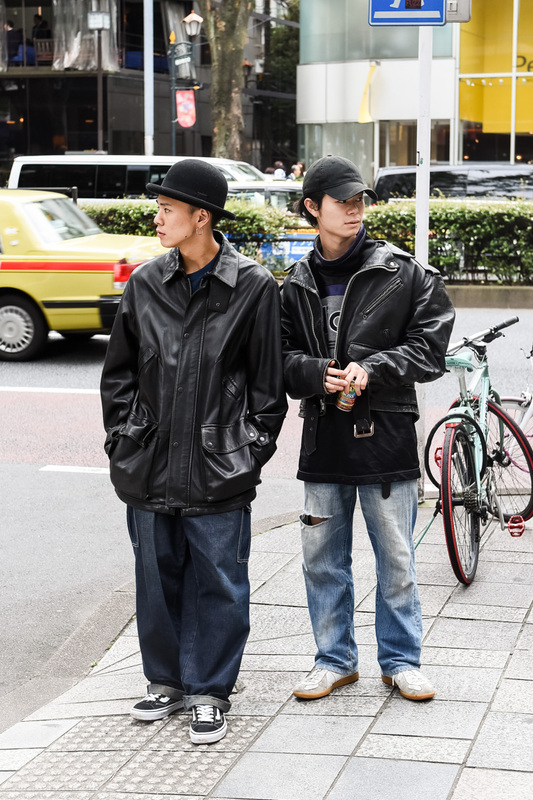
{"x":193,"y":400}
{"x":362,"y":322}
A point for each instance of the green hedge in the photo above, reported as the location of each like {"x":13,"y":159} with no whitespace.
{"x":469,"y":241}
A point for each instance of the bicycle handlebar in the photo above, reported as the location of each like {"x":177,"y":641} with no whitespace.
{"x":487,"y":336}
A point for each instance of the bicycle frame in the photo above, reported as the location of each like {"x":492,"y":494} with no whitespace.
{"x":475,"y":361}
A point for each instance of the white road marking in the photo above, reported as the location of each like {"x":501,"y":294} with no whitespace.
{"x":63,"y":468}
{"x":47,"y":390}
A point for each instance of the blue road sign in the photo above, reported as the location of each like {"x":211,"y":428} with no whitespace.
{"x":407,"y":12}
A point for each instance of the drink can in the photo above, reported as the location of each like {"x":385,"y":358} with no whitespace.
{"x":346,"y":398}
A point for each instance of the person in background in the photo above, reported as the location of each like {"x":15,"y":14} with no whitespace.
{"x":14,"y":39}
{"x":296,"y":173}
{"x":279,"y":171}
{"x":362,"y":322}
{"x":193,"y":401}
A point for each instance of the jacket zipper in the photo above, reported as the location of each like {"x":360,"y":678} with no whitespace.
{"x":341,"y":314}
{"x":312,"y":322}
{"x":382,"y":297}
{"x":195,"y":406}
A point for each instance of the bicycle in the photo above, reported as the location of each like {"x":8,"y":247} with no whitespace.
{"x":485,"y":462}
{"x":521,"y":408}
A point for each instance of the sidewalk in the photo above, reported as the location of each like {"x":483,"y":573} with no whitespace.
{"x":363,"y":742}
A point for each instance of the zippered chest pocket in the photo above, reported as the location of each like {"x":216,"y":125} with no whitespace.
{"x":383,"y":297}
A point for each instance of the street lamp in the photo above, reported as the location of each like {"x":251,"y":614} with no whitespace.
{"x":181,"y":53}
{"x":99,"y":21}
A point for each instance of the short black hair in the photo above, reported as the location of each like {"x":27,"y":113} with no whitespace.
{"x":299,"y":207}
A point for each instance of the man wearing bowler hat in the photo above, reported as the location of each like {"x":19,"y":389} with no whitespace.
{"x":193,"y":401}
{"x":363,"y":319}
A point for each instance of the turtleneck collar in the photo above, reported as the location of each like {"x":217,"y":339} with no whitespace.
{"x":346,"y":258}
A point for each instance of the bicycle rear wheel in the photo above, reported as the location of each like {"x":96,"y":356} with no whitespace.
{"x":460,"y":503}
{"x":512,"y":461}
{"x":521,"y":412}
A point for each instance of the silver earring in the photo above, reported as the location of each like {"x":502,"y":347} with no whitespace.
{"x":199,"y":232}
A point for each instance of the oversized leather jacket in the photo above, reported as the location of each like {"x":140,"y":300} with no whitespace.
{"x":395,"y":322}
{"x":192,"y":386}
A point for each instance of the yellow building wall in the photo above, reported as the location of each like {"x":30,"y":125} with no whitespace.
{"x":486,"y":47}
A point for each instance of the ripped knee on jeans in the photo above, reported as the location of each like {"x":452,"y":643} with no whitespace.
{"x":307,"y":519}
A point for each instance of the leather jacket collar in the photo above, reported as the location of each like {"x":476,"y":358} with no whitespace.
{"x":225,"y":270}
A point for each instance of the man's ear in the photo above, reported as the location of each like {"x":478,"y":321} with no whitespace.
{"x":204,"y":217}
{"x":311,"y":206}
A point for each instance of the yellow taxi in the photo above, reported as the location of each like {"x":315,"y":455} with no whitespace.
{"x":58,"y":271}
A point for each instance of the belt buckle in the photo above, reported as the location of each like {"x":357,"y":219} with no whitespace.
{"x":363,"y":435}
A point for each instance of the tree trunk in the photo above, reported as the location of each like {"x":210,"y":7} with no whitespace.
{"x":225,"y":25}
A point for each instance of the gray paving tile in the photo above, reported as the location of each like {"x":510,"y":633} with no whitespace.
{"x":11,"y":760}
{"x":274,"y":621}
{"x":263,"y":565}
{"x":267,"y":685}
{"x":4,"y":776}
{"x":324,"y":735}
{"x":427,"y":553}
{"x":111,"y":686}
{"x":279,"y":776}
{"x":278,"y":540}
{"x":299,"y":644}
{"x":136,"y":796}
{"x":284,"y":588}
{"x":435,"y":574}
{"x":124,"y":652}
{"x":34,"y":734}
{"x":337,"y":705}
{"x":415,"y":748}
{"x":492,"y":784}
{"x":509,"y":573}
{"x":525,"y":640}
{"x":473,"y":634}
{"x":69,"y":711}
{"x":47,"y":795}
{"x":433,"y":599}
{"x":515,"y":696}
{"x":483,"y":612}
{"x":381,"y":779}
{"x":513,"y":595}
{"x":446,"y":719}
{"x":520,"y":665}
{"x":507,"y":557}
{"x":472,"y":684}
{"x":173,"y":772}
{"x":459,"y":657}
{"x":242,"y":731}
{"x":273,"y":663}
{"x":108,"y":733}
{"x":505,"y":742}
{"x":513,"y":544}
{"x":56,"y":771}
{"x":255,"y":707}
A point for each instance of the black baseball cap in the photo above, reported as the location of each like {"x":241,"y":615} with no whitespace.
{"x":336,"y":176}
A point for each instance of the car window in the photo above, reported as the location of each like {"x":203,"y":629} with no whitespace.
{"x":50,"y":176}
{"x":283,"y":200}
{"x":138,"y":176}
{"x":397,"y":185}
{"x":110,"y":180}
{"x":243,"y":172}
{"x":447,"y":184}
{"x":58,"y":219}
{"x":257,"y":197}
{"x":500,"y":183}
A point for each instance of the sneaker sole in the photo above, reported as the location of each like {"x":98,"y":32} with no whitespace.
{"x":426,"y":696}
{"x":151,"y":716}
{"x":323,"y":692}
{"x":208,"y":738}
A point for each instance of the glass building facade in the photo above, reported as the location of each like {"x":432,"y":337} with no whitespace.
{"x":482,"y":90}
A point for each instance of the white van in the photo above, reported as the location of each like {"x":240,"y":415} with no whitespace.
{"x":104,"y":176}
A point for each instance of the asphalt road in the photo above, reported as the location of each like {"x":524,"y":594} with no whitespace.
{"x":66,"y":579}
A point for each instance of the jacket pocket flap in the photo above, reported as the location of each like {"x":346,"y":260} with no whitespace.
{"x":358,"y":351}
{"x":228,"y":438}
{"x":139,"y":429}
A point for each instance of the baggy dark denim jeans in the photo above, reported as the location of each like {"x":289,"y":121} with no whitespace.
{"x":193,"y":598}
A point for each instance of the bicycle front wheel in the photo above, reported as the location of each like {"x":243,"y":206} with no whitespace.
{"x":521,"y":412}
{"x":460,"y":503}
{"x":511,"y":458}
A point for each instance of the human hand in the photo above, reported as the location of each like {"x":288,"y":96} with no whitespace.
{"x":338,"y":379}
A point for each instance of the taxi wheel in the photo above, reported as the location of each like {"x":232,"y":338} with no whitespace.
{"x":23,"y":331}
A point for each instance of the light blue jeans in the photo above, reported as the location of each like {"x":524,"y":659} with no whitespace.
{"x":327,"y":566}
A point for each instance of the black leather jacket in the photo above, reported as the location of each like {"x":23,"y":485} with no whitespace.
{"x":396,"y":321}
{"x":192,"y":386}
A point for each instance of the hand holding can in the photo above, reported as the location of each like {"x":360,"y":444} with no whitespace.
{"x":346,"y":398}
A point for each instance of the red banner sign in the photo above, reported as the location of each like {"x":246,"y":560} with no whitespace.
{"x":186,"y":108}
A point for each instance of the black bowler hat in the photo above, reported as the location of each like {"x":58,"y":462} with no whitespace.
{"x":337,"y":177}
{"x":195,"y":182}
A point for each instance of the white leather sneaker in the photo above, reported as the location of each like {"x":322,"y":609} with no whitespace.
{"x":411,"y":683}
{"x":321,"y":682}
